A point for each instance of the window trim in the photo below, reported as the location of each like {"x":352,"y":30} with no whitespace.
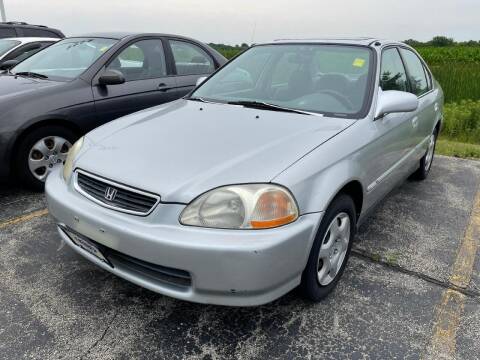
{"x":429,"y":77}
{"x":214,"y":62}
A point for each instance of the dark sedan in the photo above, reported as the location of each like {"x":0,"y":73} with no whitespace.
{"x":79,"y":83}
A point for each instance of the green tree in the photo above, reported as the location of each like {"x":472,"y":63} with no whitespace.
{"x":442,"y":41}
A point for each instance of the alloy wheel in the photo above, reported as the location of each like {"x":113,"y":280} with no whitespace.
{"x":430,"y":151}
{"x":47,"y":153}
{"x":333,"y":249}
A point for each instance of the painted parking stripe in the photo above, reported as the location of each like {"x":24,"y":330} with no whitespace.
{"x":449,"y":311}
{"x":23,"y":218}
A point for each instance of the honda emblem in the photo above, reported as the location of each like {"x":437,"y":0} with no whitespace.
{"x":110,"y":193}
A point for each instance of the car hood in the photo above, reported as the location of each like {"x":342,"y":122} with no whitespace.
{"x":14,"y":86}
{"x":185,"y":148}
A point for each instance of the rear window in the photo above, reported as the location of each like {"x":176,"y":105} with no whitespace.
{"x":416,"y":72}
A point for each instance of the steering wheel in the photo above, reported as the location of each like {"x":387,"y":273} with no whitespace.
{"x":340,"y":97}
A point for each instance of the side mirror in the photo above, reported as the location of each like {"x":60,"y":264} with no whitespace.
{"x":111,"y":77}
{"x":200,"y":80}
{"x":7,"y":65}
{"x":393,"y":101}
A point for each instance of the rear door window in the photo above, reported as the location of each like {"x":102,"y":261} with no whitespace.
{"x":416,"y":72}
{"x":191,"y":59}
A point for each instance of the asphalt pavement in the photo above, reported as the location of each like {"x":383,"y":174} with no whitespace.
{"x":411,"y":290}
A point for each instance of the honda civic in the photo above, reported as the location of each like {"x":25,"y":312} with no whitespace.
{"x":256,"y":182}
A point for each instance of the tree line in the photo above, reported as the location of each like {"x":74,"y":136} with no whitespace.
{"x":437,"y":41}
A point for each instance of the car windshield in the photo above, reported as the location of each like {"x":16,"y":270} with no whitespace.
{"x":7,"y":45}
{"x":317,"y":78}
{"x":66,"y":59}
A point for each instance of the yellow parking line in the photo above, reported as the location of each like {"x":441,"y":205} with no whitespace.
{"x":23,"y":218}
{"x":449,"y":311}
{"x":462,"y":270}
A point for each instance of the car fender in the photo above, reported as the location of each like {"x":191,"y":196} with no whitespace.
{"x":314,"y":186}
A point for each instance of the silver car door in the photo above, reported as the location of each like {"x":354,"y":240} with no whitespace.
{"x":420,"y":83}
{"x":387,"y":154}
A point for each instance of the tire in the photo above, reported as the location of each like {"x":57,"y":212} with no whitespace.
{"x":426,"y":161}
{"x":26,"y":153}
{"x":342,"y":207}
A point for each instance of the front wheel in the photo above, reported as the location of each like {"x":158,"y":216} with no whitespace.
{"x":39,"y":152}
{"x":427,"y":159}
{"x":330,"y":250}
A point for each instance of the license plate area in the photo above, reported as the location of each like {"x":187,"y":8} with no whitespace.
{"x":86,"y":244}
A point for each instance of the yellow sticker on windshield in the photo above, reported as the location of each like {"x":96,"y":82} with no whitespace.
{"x":358,"y":62}
{"x":103,"y":49}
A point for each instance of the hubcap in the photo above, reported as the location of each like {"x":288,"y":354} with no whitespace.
{"x":47,"y":153}
{"x":333,"y":249}
{"x":429,"y":155}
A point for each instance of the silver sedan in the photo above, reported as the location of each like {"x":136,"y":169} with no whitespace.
{"x":256,"y":182}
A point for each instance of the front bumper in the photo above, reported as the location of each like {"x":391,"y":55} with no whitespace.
{"x":226,"y":267}
{"x":5,"y":154}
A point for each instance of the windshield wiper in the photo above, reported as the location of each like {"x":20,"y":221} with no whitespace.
{"x":266,"y":106}
{"x":31,"y":74}
{"x":201,"y":99}
{"x":195,"y":98}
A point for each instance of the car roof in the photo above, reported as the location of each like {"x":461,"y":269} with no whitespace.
{"x":25,"y":40}
{"x":24,"y":25}
{"x":122,"y":35}
{"x":364,"y":41}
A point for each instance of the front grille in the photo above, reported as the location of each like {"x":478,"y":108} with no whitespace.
{"x":157,"y":273}
{"x":115,"y":196}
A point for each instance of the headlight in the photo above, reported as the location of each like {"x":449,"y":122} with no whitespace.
{"x":72,"y":154}
{"x":253,"y":206}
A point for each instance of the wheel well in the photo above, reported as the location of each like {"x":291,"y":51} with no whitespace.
{"x":438,"y":126}
{"x":39,"y":124}
{"x":355,"y":191}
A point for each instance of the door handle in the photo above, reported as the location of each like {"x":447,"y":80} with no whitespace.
{"x":415,"y":122}
{"x":163,"y":87}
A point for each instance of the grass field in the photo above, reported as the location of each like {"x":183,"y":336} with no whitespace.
{"x":458,"y":149}
{"x":457,"y":69}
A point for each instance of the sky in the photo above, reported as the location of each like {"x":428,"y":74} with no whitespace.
{"x":250,"y":21}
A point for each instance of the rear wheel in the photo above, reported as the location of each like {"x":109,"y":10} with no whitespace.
{"x":39,"y":152}
{"x":426,"y":161}
{"x":330,"y":250}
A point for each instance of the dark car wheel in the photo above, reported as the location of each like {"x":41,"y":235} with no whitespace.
{"x":330,"y":250}
{"x":426,"y":161}
{"x":39,"y":152}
